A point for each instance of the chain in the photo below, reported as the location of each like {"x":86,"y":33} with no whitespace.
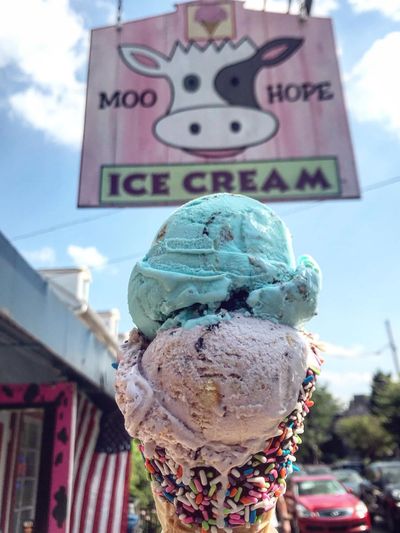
{"x":119,"y":13}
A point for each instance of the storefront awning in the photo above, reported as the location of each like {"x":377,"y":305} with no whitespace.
{"x":41,"y":339}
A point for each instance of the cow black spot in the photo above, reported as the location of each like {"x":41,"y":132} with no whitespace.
{"x":59,"y":398}
{"x":62,"y":436}
{"x":31,"y":392}
{"x":59,"y":458}
{"x":235,"y":82}
{"x":8,"y":391}
{"x":60,"y":510}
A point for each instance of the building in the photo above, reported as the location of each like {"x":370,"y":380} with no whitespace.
{"x":64,"y":452}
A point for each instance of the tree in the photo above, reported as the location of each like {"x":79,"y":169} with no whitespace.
{"x":318,"y":426}
{"x":385,"y":403}
{"x":366,"y":436}
{"x":140,"y":491}
{"x":380,"y":381}
{"x":391,"y":402}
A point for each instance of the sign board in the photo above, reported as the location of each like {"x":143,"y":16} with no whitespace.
{"x":215,"y":98}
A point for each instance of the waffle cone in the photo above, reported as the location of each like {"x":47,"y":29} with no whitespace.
{"x":210,"y":26}
{"x":170,"y":522}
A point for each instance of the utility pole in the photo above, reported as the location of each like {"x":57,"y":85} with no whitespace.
{"x":393,"y":347}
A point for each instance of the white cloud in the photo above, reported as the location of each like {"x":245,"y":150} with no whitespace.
{"x":323,"y":8}
{"x":109,"y":9}
{"x":319,"y":9}
{"x":88,"y":256}
{"x":343,"y":385}
{"x":48,"y":47}
{"x":388,"y":8}
{"x":373,"y":85}
{"x":45,"y":256}
{"x":335,"y":350}
{"x":59,"y":115}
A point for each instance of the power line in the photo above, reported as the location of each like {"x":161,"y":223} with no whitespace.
{"x":77,"y":222}
{"x":352,"y":353}
{"x":372,"y":187}
{"x":63,"y":225}
{"x":125,"y":258}
{"x":302,"y":208}
{"x":380,"y":184}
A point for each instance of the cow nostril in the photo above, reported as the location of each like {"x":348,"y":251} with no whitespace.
{"x":235,"y":81}
{"x":235,"y":126}
{"x":194,"y":128}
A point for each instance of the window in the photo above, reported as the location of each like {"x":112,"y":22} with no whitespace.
{"x":35,"y":453}
{"x":27,"y":462}
{"x":320,"y":486}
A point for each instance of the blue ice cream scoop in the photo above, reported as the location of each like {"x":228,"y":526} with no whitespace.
{"x":218,"y":254}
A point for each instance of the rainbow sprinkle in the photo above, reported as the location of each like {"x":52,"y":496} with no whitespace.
{"x":252,"y":489}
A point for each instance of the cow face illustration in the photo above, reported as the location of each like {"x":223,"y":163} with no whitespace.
{"x":214,"y":112}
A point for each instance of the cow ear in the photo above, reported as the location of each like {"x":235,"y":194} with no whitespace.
{"x":143,"y":60}
{"x":277,"y":51}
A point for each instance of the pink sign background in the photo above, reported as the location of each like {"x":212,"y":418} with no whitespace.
{"x":307,"y":128}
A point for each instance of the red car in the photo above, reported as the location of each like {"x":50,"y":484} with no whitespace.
{"x":321,"y":503}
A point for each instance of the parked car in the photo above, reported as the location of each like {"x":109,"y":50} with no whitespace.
{"x":351,"y":464}
{"x":351,"y":479}
{"x":321,"y":503}
{"x":381,"y":491}
{"x":392,"y":507}
{"x":316,"y":470}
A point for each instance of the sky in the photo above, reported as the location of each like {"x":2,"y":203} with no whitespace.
{"x":43,"y":67}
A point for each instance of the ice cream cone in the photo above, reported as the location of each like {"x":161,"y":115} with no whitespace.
{"x":170,"y":522}
{"x":210,"y":27}
{"x":217,"y":379}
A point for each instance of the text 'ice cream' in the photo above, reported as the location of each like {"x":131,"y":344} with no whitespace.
{"x":216,"y":380}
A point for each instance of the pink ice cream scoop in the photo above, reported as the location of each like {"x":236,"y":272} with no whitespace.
{"x":210,"y":13}
{"x":218,"y":405}
{"x":210,"y":16}
{"x":223,"y":389}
